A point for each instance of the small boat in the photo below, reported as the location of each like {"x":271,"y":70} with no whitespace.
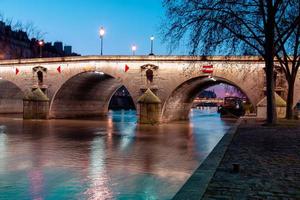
{"x":232,"y":107}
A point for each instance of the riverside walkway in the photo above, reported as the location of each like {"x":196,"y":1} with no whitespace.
{"x":268,"y":159}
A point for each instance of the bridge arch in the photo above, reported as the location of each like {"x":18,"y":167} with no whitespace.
{"x":178,"y":104}
{"x":11,"y":97}
{"x":86,"y":94}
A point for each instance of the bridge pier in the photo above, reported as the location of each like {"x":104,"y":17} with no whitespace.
{"x":150,"y":108}
{"x":35,"y":105}
{"x":280,"y":107}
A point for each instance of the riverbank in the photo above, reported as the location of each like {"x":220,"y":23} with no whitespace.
{"x":268,"y":159}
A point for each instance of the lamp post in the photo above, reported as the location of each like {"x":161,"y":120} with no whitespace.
{"x":133,"y":49}
{"x":41,"y":44}
{"x":152,"y":40}
{"x":101,"y":33}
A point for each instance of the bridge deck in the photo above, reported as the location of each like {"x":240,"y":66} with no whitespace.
{"x":133,"y":58}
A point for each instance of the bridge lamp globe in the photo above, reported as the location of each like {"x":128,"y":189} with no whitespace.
{"x":101,"y":34}
{"x":133,"y":49}
{"x":41,"y":43}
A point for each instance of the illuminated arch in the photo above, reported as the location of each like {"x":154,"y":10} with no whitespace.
{"x":179,"y":102}
{"x":85,"y":94}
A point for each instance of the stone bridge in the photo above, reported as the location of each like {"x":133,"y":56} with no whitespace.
{"x":83,"y":86}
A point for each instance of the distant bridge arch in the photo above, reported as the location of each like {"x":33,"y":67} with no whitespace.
{"x":179,"y":103}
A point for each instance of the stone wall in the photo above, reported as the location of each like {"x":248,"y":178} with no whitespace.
{"x":175,"y":80}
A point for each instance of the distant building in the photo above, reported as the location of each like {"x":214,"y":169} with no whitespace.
{"x":68,"y":50}
{"x":16,"y":45}
{"x":209,"y":94}
{"x":58,"y":46}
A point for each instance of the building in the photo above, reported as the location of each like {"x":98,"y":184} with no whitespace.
{"x":15,"y":44}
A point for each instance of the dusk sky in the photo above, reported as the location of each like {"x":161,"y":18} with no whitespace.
{"x":76,"y":23}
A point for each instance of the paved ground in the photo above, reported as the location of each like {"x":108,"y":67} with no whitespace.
{"x":269,"y":159}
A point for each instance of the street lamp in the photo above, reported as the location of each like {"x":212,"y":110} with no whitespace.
{"x":151,"y":39}
{"x":41,"y":44}
{"x":101,"y":33}
{"x":133,"y":49}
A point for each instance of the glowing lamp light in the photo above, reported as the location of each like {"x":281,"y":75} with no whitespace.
{"x":101,"y":32}
{"x":41,"y":43}
{"x":212,"y":78}
{"x":133,"y":49}
{"x":152,"y":38}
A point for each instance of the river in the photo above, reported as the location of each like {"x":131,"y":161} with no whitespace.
{"x":109,"y":158}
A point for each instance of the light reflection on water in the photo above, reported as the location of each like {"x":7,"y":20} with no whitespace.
{"x":103,"y":159}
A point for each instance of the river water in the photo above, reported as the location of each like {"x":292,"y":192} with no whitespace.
{"x":111,"y":158}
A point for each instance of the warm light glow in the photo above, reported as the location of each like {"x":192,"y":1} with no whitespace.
{"x":152,"y":38}
{"x":41,"y":43}
{"x":212,"y":78}
{"x":101,"y":73}
{"x":133,"y":47}
{"x":101,"y":32}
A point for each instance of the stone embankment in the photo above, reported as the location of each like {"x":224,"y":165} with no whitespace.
{"x":266,"y":160}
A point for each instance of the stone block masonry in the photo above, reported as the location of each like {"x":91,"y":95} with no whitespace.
{"x":83,"y":86}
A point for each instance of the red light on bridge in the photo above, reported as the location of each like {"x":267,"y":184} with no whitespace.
{"x":208,"y":69}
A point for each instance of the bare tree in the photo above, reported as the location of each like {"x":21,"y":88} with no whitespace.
{"x":17,"y":26}
{"x":33,"y":31}
{"x":234,"y":27}
{"x":289,"y":60}
{"x":233,"y":90}
{"x":29,"y":28}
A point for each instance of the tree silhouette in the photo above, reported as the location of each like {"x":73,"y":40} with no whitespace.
{"x":234,"y":27}
{"x":289,"y":60}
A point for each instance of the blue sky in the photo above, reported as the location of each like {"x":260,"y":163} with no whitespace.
{"x":76,"y":23}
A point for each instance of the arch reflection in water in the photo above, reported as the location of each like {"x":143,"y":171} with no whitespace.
{"x":207,"y":120}
{"x":125,"y":122}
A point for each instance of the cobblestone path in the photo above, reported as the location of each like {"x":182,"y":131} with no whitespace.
{"x":269,"y":159}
